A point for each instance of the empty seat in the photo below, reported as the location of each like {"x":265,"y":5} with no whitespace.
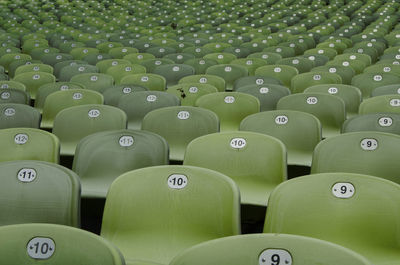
{"x":14,"y":95}
{"x":256,"y":162}
{"x":174,"y":72}
{"x":255,"y":80}
{"x":346,"y":209}
{"x":380,"y":104}
{"x":68,"y":71}
{"x":166,"y":210}
{"x":386,"y":90}
{"x":382,"y":122}
{"x":150,"y":81}
{"x":301,"y":82}
{"x":94,"y":81}
{"x":14,"y":115}
{"x":346,"y":73}
{"x":114,"y":93}
{"x":120,"y":71}
{"x":285,"y":73}
{"x":366,"y":82}
{"x":39,"y":192}
{"x":268,"y":94}
{"x":229,"y":72}
{"x":33,"y":80}
{"x":188,"y":93}
{"x":101,"y":157}
{"x":214,"y":80}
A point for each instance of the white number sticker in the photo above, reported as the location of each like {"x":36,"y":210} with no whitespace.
{"x":41,"y":248}
{"x":259,"y":81}
{"x":317,"y":77}
{"x":5,"y":95}
{"x":238,"y":143}
{"x":9,"y":112}
{"x":387,"y":69}
{"x":183,"y":115}
{"x":395,"y":102}
{"x":203,"y":80}
{"x":126,"y":141}
{"x":177,"y":181}
{"x":369,"y":144}
{"x":333,"y":90}
{"x":378,"y":78}
{"x":81,"y":69}
{"x":36,"y":77}
{"x":64,"y":87}
{"x":345,"y":63}
{"x":229,"y":99}
{"x":193,"y":90}
{"x":94,"y":113}
{"x":277,"y":69}
{"x":21,"y":138}
{"x":281,"y":120}
{"x":26,"y":175}
{"x":343,"y":190}
{"x":228,"y":69}
{"x":77,"y":96}
{"x":126,"y":90}
{"x":144,"y":79}
{"x":385,"y":122}
{"x":175,"y":68}
{"x":275,"y":257}
{"x":151,"y":98}
{"x":264,"y":90}
{"x":312,"y":100}
{"x":93,"y":78}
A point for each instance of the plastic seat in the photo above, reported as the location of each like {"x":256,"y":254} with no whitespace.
{"x":351,"y":95}
{"x":137,"y":105}
{"x":113,"y":94}
{"x":101,"y":157}
{"x":301,"y":64}
{"x":33,"y":80}
{"x":357,"y":65}
{"x":283,"y":51}
{"x":299,"y":131}
{"x":120,"y":71}
{"x":29,"y":144}
{"x":231,"y":107}
{"x":200,"y":65}
{"x":60,"y":65}
{"x":386,"y":90}
{"x":13,"y":95}
{"x":188,"y":93}
{"x":54,"y":58}
{"x":94,"y":81}
{"x":92,"y":118}
{"x":220,"y":57}
{"x":355,"y":56}
{"x":34,"y":68}
{"x":68,"y":71}
{"x":12,"y":68}
{"x":174,"y":72}
{"x":57,"y":101}
{"x":256,"y":162}
{"x":268,"y":57}
{"x":137,"y":58}
{"x":329,"y":109}
{"x":165,"y":211}
{"x":152,"y":82}
{"x":104,"y":65}
{"x":56,"y":244}
{"x":383,"y":68}
{"x":12,"y":84}
{"x":285,"y":73}
{"x":8,"y":58}
{"x":380,"y":104}
{"x":151,"y":64}
{"x":365,"y":152}
{"x":229,"y":72}
{"x":381,"y":122}
{"x":214,"y":80}
{"x":346,"y":209}
{"x":346,"y":73}
{"x":273,"y":248}
{"x":179,"y":125}
{"x":80,"y":52}
{"x":120,"y":52}
{"x":14,"y":115}
{"x":301,"y":82}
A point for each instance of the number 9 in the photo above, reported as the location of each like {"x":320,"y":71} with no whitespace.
{"x":275,"y":259}
{"x":343,"y":189}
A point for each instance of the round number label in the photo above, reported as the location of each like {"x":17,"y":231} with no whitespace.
{"x":395,"y":102}
{"x":228,"y":69}
{"x":81,"y":69}
{"x":5,"y":95}
{"x":385,"y":122}
{"x":193,"y":90}
{"x":203,"y":80}
{"x":275,"y":257}
{"x":26,"y":175}
{"x":77,"y":96}
{"x":144,"y":79}
{"x":343,"y":190}
{"x":312,"y":100}
{"x":277,"y":69}
{"x":41,"y":248}
{"x":333,"y":90}
{"x":36,"y":77}
{"x":345,"y":63}
{"x":128,"y":69}
{"x":126,"y":90}
{"x":259,"y":81}
{"x":9,"y":112}
{"x":64,"y":87}
{"x":94,"y":113}
{"x":377,"y":78}
{"x":264,"y":90}
{"x":126,"y":141}
{"x":238,"y":143}
{"x":175,"y":69}
{"x":229,"y":99}
{"x":317,"y":77}
{"x":21,"y":138}
{"x":93,"y":78}
{"x":183,"y":115}
{"x":177,"y":181}
{"x":281,"y":120}
{"x":369,"y":144}
{"x":151,"y":98}
{"x":387,"y":69}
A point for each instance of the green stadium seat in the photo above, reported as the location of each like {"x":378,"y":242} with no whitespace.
{"x":174,"y":72}
{"x":152,"y":82}
{"x":94,"y":81}
{"x":229,"y":72}
{"x":209,"y":79}
{"x":380,"y":104}
{"x":113,"y":94}
{"x":33,"y":80}
{"x":14,"y":115}
{"x":14,"y":95}
{"x":381,"y":122}
{"x":301,"y":82}
{"x":284,"y":73}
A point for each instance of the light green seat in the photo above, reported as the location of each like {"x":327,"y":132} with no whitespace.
{"x":151,"y":64}
{"x":188,"y":93}
{"x":152,"y":82}
{"x":301,"y":64}
{"x":54,"y":58}
{"x":346,"y":73}
{"x":104,"y":65}
{"x":166,"y":210}
{"x":200,"y":65}
{"x":220,"y":57}
{"x":299,"y":131}
{"x":256,"y":162}
{"x":268,"y":57}
{"x":137,"y":105}
{"x":59,"y":100}
{"x":179,"y":125}
{"x":214,"y":80}
{"x":355,"y":56}
{"x":120,"y":71}
{"x":329,"y":52}
{"x":14,"y":95}
{"x":113,"y":94}
{"x":8,"y":58}
{"x":329,"y":109}
{"x":255,"y":80}
{"x":68,"y":71}
{"x":101,"y":157}
{"x":137,"y":58}
{"x":120,"y":52}
{"x":364,"y":152}
{"x":174,"y":72}
{"x":92,"y":118}
{"x":231,"y":107}
{"x":357,"y":65}
{"x":386,"y":90}
{"x":60,"y":65}
{"x":29,"y":144}
{"x":34,"y":68}
{"x":12,"y":84}
{"x":285,"y":73}
{"x":273,"y":248}
{"x":351,"y":95}
{"x":94,"y":81}
{"x":301,"y":82}
{"x":229,"y":72}
{"x":383,"y":68}
{"x":345,"y":209}
{"x":93,"y":59}
{"x":14,"y":115}
{"x":283,"y":51}
{"x":80,"y":52}
{"x":380,"y":104}
{"x":381,"y":122}
{"x":57,"y":245}
{"x":38,"y":192}
{"x":34,"y":80}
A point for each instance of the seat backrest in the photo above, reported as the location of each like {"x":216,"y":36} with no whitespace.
{"x":255,"y":80}
{"x":179,"y":125}
{"x":39,"y":192}
{"x":33,"y":80}
{"x":380,"y":104}
{"x":165,"y":210}
{"x":120,"y":71}
{"x":229,"y":72}
{"x":302,"y":81}
{"x":56,"y":244}
{"x":285,"y":73}
{"x":365,"y":152}
{"x":188,"y":93}
{"x":386,"y":90}
{"x":367,"y":82}
{"x":104,"y":65}
{"x":174,"y":72}
{"x":342,"y":208}
{"x":382,"y":122}
{"x":272,"y":249}
{"x":256,"y":162}
{"x":14,"y":95}
{"x":14,"y":115}
{"x":152,"y":82}
{"x":101,"y":157}
{"x":214,"y":80}
{"x":114,"y":93}
{"x":92,"y":118}
{"x":68,"y":71}
{"x":94,"y":81}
